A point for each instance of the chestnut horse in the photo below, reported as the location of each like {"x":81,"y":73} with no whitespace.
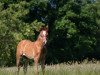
{"x":32,"y":50}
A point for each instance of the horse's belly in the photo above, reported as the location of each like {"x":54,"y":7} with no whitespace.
{"x":29,"y":55}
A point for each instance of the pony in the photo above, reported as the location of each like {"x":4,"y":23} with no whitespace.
{"x":33,"y":50}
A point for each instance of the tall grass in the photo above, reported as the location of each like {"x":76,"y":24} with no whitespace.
{"x":59,"y":69}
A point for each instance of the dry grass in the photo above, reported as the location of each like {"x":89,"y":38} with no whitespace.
{"x":59,"y":69}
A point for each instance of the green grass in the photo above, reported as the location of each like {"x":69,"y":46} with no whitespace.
{"x":59,"y":69}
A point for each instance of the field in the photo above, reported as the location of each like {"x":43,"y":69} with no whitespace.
{"x":59,"y":69}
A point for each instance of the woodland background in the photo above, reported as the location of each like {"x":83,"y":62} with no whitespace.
{"x":74,"y":28}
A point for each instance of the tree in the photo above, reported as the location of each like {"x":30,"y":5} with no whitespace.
{"x":98,"y":31}
{"x":74,"y":31}
{"x":73,"y":28}
{"x":13,"y":28}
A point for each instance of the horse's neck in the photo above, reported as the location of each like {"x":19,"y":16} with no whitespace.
{"x":39,"y":42}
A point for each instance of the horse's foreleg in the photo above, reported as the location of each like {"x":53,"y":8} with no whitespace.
{"x":43,"y":65}
{"x":36,"y":67}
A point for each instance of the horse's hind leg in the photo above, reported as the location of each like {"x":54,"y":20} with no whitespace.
{"x":25,"y":66}
{"x":18,"y":64}
{"x":18,"y":69}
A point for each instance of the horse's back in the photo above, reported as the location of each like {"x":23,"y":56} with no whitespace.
{"x":23,"y":43}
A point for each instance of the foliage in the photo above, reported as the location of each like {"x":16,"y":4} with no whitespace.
{"x":13,"y":28}
{"x":74,"y":31}
{"x":73,"y":28}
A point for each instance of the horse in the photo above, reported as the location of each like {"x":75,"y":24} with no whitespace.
{"x":32,"y":50}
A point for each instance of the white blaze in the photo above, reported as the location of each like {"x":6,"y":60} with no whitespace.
{"x":44,"y":38}
{"x":44,"y":33}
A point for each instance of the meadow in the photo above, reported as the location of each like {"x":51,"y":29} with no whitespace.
{"x":59,"y":69}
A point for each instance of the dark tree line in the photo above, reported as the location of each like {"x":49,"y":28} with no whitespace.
{"x":73,"y":28}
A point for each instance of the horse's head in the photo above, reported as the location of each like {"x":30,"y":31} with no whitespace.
{"x":43,"y":34}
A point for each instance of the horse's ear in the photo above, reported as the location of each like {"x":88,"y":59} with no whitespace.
{"x":44,"y":28}
{"x":41,"y":28}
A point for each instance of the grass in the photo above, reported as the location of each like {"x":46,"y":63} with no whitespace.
{"x":59,"y":69}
